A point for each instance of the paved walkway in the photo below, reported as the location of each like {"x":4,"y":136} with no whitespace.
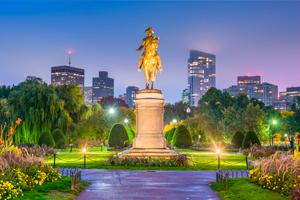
{"x":148,"y":185}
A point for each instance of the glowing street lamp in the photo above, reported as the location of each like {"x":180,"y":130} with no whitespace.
{"x":126,"y":121}
{"x":83,"y":150}
{"x":274,"y":122}
{"x":188,"y":110}
{"x":111,"y":111}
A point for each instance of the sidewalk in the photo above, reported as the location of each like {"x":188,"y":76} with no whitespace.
{"x":152,"y":185}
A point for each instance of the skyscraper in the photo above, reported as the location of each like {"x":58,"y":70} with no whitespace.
{"x":254,"y":89}
{"x":290,"y":94}
{"x":248,"y":80}
{"x":249,"y":85}
{"x":201,"y":74}
{"x":103,"y":86}
{"x":269,"y":93}
{"x":67,"y":75}
{"x":130,"y":95}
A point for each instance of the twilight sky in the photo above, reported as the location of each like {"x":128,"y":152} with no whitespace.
{"x":247,"y":37}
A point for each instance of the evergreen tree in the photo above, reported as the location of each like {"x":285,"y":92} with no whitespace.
{"x":250,"y":139}
{"x":182,"y":137}
{"x":118,"y":137}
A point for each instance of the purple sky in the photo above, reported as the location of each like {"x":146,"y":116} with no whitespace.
{"x":247,"y":38}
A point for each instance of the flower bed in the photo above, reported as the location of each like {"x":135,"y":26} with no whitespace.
{"x":176,"y":161}
{"x":280,"y":173}
{"x":20,"y":171}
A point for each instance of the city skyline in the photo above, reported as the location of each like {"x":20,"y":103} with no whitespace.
{"x":263,"y":40}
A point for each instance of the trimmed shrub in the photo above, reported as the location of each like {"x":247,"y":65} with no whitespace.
{"x":46,"y":139}
{"x":169,"y":135}
{"x":131,"y":134}
{"x":118,"y":137}
{"x":59,"y":138}
{"x":182,"y":137}
{"x":237,"y":139}
{"x":250,"y":139}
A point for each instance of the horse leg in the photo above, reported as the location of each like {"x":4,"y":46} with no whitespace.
{"x":152,"y":85}
{"x":147,"y":78}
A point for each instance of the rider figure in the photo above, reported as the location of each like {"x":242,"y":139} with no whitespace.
{"x":150,"y":43}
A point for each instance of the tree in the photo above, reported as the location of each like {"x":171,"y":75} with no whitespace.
{"x":94,"y":128}
{"x":177,"y":111}
{"x":254,"y":120}
{"x":237,"y":139}
{"x":59,"y":138}
{"x":118,"y":137}
{"x":296,"y":109}
{"x":4,"y":91}
{"x":182,"y":137}
{"x":46,"y":139}
{"x":291,"y":126}
{"x":250,"y":139}
{"x":44,"y":107}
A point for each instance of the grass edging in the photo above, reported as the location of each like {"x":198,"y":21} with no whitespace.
{"x":243,"y":189}
{"x":60,"y":189}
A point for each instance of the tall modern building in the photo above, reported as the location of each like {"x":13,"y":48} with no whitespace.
{"x":130,"y":95}
{"x":103,"y":86}
{"x":269,"y":93}
{"x":67,"y":75}
{"x":249,"y":85}
{"x":201,"y":74}
{"x":254,"y":89}
{"x":248,"y":80}
{"x":290,"y":94}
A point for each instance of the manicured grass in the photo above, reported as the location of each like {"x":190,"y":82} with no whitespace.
{"x":243,"y":189}
{"x":198,"y":160}
{"x":59,"y":190}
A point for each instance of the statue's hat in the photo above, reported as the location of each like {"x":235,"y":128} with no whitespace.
{"x":150,"y":29}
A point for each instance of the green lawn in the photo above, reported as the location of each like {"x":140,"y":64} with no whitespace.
{"x":59,"y":190}
{"x":198,"y":160}
{"x":243,"y":189}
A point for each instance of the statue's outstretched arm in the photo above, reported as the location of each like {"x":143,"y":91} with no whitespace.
{"x":142,"y":46}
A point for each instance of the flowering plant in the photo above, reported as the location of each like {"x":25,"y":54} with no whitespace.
{"x":8,"y":190}
{"x":7,"y":139}
{"x":280,"y":173}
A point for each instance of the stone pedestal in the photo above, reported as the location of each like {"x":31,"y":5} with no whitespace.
{"x":149,"y":140}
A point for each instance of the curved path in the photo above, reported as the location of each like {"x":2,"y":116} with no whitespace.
{"x":148,"y":185}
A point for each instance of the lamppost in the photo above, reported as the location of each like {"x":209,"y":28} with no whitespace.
{"x":273,"y":124}
{"x":199,"y":137}
{"x":218,"y":152}
{"x":83,"y":150}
